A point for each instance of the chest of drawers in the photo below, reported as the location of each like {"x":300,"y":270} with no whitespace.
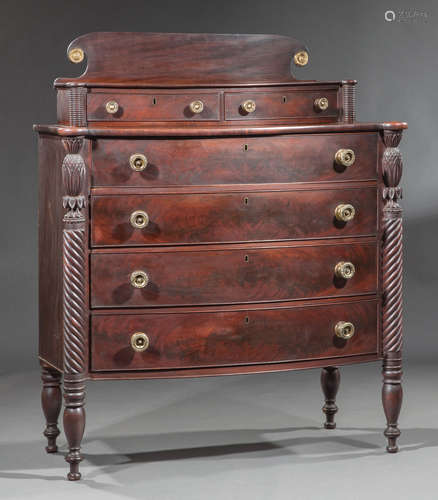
{"x":203,"y":212}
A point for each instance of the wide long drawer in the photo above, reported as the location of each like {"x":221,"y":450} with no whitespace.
{"x":201,"y":339}
{"x":249,"y":160}
{"x":187,"y":276}
{"x":233,"y":217}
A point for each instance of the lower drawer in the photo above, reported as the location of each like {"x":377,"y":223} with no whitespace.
{"x":224,"y":338}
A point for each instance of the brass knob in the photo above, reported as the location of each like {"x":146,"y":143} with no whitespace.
{"x":345,"y":157}
{"x":301,"y":58}
{"x":249,"y":106}
{"x":112,"y":107}
{"x":321,"y":104}
{"x":139,"y":279}
{"x":344,"y":330}
{"x":196,"y":107}
{"x":345,"y":270}
{"x":139,"y":341}
{"x":138,"y":162}
{"x":139,"y":219}
{"x":345,"y":212}
{"x":76,"y":55}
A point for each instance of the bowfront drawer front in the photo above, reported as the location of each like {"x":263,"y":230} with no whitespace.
{"x":152,"y":107}
{"x":233,"y":217}
{"x":279,"y":105}
{"x":185,"y":276}
{"x":201,"y":339}
{"x":250,"y":160}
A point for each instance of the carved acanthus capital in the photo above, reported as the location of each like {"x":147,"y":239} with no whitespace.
{"x":73,"y":179}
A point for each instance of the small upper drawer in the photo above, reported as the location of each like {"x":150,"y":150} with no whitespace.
{"x":280,"y":105}
{"x":233,"y":160}
{"x":152,"y":107}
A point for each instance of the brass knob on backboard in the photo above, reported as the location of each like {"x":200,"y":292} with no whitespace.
{"x":345,"y":212}
{"x":138,"y":162}
{"x":301,"y":58}
{"x":345,"y":270}
{"x":139,"y":219}
{"x":139,"y":279}
{"x":196,"y":107}
{"x":321,"y":104}
{"x":139,"y":341}
{"x":249,"y":106}
{"x":76,"y":55}
{"x":112,"y":107}
{"x":344,"y":330}
{"x":345,"y":157}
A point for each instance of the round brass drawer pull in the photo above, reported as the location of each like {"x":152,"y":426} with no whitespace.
{"x":321,"y":104}
{"x":345,"y":212}
{"x":344,"y":330}
{"x":249,"y":106}
{"x":197,"y":107}
{"x":345,"y":270}
{"x":139,"y":341}
{"x":112,"y":107}
{"x":301,"y":58}
{"x":139,"y":219}
{"x":345,"y":157}
{"x":138,"y":162}
{"x":76,"y":55}
{"x":139,"y":279}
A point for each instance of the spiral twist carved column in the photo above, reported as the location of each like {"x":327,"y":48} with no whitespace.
{"x":392,"y":268}
{"x":74,"y":300}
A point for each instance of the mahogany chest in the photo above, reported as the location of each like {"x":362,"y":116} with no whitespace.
{"x":204,"y":212}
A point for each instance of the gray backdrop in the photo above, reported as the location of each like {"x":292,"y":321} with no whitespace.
{"x":395,"y":63}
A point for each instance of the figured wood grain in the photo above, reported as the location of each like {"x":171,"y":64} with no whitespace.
{"x":283,"y":103}
{"x":188,"y":340}
{"x":152,"y":107}
{"x":180,"y":58}
{"x":284,"y":158}
{"x":230,"y":276}
{"x":50,"y":226}
{"x":244,"y":216}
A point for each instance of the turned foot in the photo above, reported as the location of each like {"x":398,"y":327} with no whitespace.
{"x":74,"y":423}
{"x":51,"y":402}
{"x":392,"y":396}
{"x":330,"y":378}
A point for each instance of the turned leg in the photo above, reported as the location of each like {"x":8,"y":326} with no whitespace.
{"x":392,"y":284}
{"x":51,"y":402}
{"x":74,"y":423}
{"x":392,"y":396}
{"x":330,"y":378}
